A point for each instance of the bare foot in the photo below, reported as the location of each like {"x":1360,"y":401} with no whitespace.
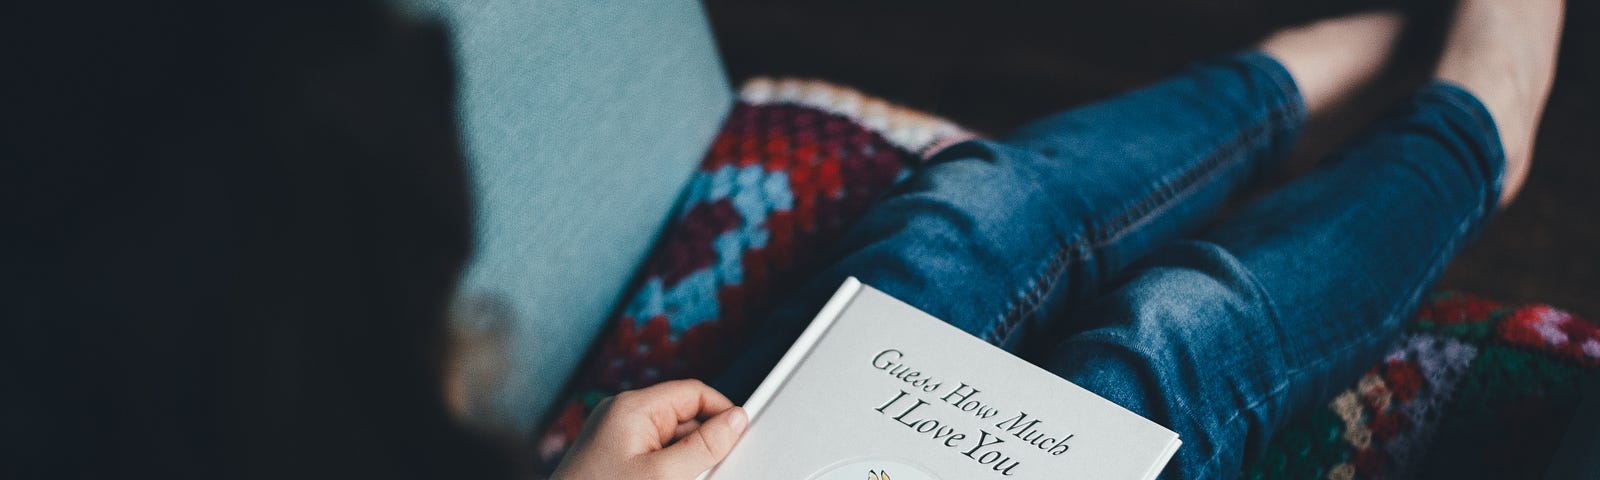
{"x":1504,"y":52}
{"x":1332,"y":59}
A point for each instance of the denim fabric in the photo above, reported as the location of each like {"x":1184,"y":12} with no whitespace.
{"x":1087,"y":225}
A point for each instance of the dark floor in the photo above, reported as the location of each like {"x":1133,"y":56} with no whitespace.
{"x":992,"y":68}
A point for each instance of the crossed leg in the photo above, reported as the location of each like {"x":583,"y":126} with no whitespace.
{"x":1227,"y":337}
{"x":997,"y":237}
{"x":1000,"y":238}
{"x":1222,"y":338}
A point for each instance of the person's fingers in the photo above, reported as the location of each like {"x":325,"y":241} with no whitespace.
{"x":647,"y":419}
{"x":684,"y":429}
{"x":691,"y":399}
{"x":702,"y":448}
{"x":667,"y":404}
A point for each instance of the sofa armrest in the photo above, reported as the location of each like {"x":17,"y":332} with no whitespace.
{"x":581,"y":122}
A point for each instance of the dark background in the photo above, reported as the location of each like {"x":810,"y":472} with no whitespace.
{"x":992,"y":65}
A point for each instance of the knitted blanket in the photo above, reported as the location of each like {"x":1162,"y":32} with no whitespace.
{"x":1474,"y":386}
{"x":1474,"y":389}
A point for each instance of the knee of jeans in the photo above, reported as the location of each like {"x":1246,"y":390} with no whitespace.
{"x":984,"y":150}
{"x":1191,"y":301}
{"x":1192,"y":339}
{"x":1024,"y":158}
{"x":1145,"y":381}
{"x":983,"y":197}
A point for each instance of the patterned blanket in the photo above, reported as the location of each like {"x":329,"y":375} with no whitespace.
{"x":1474,"y":386}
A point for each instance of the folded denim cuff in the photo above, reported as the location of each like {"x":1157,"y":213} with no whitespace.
{"x":1467,"y":111}
{"x":1262,"y":64}
{"x":1281,"y":91}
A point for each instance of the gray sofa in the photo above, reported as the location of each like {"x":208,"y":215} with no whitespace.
{"x":582,"y":119}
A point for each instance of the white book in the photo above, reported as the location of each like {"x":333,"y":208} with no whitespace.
{"x":876,"y":389}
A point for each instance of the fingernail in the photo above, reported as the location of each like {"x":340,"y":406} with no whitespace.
{"x":738,"y":419}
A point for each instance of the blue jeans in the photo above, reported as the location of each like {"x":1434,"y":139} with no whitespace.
{"x":1084,"y":242}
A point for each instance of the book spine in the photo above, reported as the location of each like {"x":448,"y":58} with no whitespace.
{"x":796,"y":354}
{"x":801,"y":348}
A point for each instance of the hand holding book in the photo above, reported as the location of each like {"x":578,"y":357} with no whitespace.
{"x":673,"y":430}
{"x":874,"y":386}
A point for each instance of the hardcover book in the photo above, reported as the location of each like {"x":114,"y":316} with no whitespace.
{"x":876,"y":389}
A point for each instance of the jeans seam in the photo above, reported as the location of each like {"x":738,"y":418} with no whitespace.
{"x":1054,"y":267}
{"x":1185,"y":184}
{"x":1419,"y":286}
{"x":1140,"y":212}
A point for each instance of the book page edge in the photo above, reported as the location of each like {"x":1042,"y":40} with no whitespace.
{"x":1166,"y":458}
{"x":802,"y":347}
{"x":796,"y":355}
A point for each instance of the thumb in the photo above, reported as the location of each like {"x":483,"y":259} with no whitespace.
{"x":704,"y":447}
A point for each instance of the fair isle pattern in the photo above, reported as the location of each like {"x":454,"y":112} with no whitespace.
{"x":1556,"y":330}
{"x":1466,"y":362}
{"x":911,"y":130}
{"x":1440,"y":363}
{"x":1389,"y":416}
{"x":795,"y":163}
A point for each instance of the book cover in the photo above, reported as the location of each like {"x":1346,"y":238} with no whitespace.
{"x":876,"y":389}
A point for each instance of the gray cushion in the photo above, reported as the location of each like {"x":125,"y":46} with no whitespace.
{"x":582,"y":119}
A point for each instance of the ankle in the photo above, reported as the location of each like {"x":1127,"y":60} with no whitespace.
{"x":1332,"y":59}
